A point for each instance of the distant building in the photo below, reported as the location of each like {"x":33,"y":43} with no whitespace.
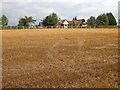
{"x":63,"y":23}
{"x":84,"y":24}
{"x":74,"y":23}
{"x":66,"y":23}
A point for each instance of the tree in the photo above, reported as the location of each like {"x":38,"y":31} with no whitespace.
{"x":50,"y":20}
{"x":111,"y":19}
{"x":30,"y":20}
{"x":75,"y":18}
{"x":83,"y":20}
{"x":23,"y":22}
{"x":119,"y":22}
{"x":27,"y":21}
{"x":91,"y":21}
{"x":4,"y":20}
{"x":102,"y":20}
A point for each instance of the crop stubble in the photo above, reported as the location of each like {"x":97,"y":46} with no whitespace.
{"x":60,"y":58}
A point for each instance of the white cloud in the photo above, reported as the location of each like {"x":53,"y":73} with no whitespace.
{"x":15,"y":9}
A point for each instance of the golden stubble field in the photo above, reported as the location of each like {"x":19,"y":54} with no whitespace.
{"x":60,"y":58}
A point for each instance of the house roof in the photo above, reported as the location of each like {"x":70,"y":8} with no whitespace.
{"x":73,"y":22}
{"x":65,"y":22}
{"x":62,"y":21}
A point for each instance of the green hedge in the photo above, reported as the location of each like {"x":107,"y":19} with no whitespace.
{"x":118,"y":26}
{"x":115,"y":26}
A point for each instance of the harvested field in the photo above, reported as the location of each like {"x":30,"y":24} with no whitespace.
{"x":60,"y":58}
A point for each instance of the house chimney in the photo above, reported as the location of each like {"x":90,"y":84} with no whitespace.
{"x":59,"y":19}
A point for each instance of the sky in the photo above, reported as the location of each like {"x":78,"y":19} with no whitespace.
{"x":65,"y":9}
{"x":119,"y":12}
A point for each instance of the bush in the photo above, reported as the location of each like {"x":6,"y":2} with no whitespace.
{"x":118,"y":26}
{"x":108,"y":26}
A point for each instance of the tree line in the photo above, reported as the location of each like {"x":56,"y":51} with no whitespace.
{"x":52,"y":20}
{"x":103,"y":19}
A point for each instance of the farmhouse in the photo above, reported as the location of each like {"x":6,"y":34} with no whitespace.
{"x":68,"y":24}
{"x":74,"y":23}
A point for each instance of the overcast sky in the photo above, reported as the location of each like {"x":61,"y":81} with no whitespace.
{"x":65,"y":9}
